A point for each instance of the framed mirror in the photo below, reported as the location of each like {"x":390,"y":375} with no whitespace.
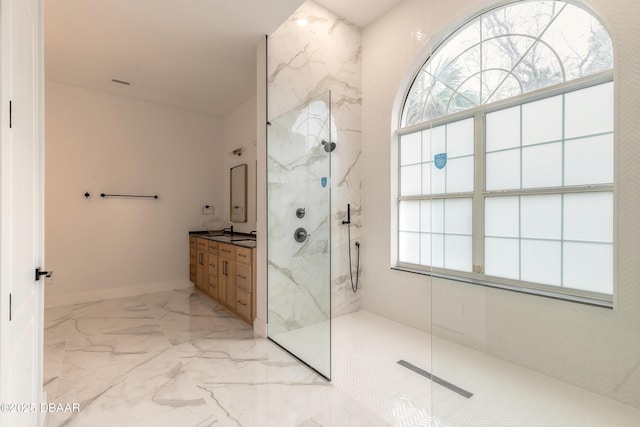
{"x":238,"y":194}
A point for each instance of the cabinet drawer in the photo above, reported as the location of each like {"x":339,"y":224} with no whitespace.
{"x":243,"y":255}
{"x":192,"y":242}
{"x":243,"y":303}
{"x":202,"y":244}
{"x":243,"y":277}
{"x":213,"y":248}
{"x":227,"y":251}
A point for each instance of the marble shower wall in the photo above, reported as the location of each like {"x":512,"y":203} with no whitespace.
{"x":304,"y":63}
{"x":298,"y":167}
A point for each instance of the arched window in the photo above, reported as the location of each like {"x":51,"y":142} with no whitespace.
{"x":506,"y":153}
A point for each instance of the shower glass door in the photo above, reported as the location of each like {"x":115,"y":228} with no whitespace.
{"x":299,"y":234}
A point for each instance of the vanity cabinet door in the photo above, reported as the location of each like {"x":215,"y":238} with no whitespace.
{"x":230,"y":282}
{"x":212,"y":289}
{"x":193,"y":260}
{"x":212,"y":283}
{"x":222,"y":282}
{"x":202,"y":265}
{"x":227,"y":274}
{"x":226,"y":281}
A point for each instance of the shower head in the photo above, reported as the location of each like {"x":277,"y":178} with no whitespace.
{"x":328,"y":146}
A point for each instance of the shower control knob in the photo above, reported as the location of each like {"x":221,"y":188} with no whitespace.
{"x":300,"y":212}
{"x":300,"y":235}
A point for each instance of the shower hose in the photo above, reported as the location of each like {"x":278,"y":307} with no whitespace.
{"x":354,"y":286}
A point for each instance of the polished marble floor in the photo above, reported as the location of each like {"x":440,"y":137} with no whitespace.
{"x":177,"y":359}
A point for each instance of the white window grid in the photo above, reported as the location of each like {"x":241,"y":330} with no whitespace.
{"x":480,"y":193}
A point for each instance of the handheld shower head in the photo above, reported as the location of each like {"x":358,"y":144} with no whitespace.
{"x":329,"y":146}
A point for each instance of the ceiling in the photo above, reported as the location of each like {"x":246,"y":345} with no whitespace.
{"x":360,"y":12}
{"x":201,"y":57}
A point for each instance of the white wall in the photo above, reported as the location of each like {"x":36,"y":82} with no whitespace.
{"x":594,"y":348}
{"x":98,"y":142}
{"x":240,"y":131}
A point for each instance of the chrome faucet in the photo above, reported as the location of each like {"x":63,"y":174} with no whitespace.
{"x":229,"y":229}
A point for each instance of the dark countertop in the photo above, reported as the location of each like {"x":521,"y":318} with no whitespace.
{"x":239,"y":239}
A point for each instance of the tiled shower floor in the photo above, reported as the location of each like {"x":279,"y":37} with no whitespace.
{"x":177,"y":359}
{"x":366,"y":349}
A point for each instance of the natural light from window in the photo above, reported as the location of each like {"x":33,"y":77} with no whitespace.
{"x":506,"y":153}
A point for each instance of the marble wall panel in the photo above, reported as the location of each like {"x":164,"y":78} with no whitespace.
{"x":305,"y":63}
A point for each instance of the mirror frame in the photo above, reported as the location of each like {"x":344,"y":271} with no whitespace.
{"x":240,"y":182}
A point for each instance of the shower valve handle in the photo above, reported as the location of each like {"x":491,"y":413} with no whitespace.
{"x":300,"y":235}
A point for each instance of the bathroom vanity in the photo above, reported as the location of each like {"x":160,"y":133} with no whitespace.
{"x":223,"y":268}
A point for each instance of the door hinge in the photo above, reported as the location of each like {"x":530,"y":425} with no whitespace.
{"x":9,"y":307}
{"x":10,"y":114}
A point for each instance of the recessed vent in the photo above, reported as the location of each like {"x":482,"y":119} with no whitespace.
{"x":121,"y":82}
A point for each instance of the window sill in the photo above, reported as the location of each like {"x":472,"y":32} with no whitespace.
{"x":521,"y":290}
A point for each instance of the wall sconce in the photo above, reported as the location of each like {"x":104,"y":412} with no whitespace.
{"x":238,"y":151}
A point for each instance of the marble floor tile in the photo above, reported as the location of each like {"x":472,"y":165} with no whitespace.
{"x":52,"y":366}
{"x":178,"y":359}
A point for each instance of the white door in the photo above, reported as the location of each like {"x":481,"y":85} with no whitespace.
{"x":22,"y":209}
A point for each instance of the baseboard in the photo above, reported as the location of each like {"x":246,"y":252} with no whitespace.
{"x":103,"y":294}
{"x":260,"y":327}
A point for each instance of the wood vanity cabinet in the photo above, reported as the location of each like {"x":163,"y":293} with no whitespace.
{"x":226,"y":273}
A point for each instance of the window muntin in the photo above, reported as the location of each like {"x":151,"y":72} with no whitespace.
{"x":542,"y":238}
{"x":436,"y":229}
{"x":572,"y":143}
{"x":543,"y":162}
{"x":436,"y":232}
{"x":511,"y":50}
{"x":419,"y":171}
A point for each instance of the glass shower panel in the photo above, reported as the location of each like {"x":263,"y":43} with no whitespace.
{"x":299,"y":235}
